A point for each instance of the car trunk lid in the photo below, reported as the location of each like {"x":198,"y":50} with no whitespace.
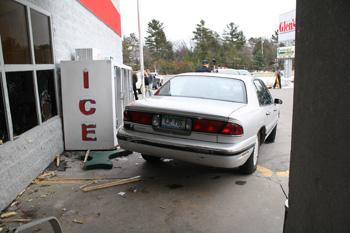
{"x":196,"y":107}
{"x":187,"y":107}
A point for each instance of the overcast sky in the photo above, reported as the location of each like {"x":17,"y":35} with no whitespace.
{"x":257,"y":18}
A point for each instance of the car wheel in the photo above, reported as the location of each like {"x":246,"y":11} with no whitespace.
{"x":151,"y":159}
{"x":272,"y":136}
{"x":250,"y":165}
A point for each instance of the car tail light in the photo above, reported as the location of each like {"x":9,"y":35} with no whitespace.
{"x":219,"y":127}
{"x":232,"y":129}
{"x":138,"y":117}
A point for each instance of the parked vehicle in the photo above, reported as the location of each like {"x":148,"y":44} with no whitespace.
{"x":158,"y":80}
{"x":228,"y":71}
{"x":244,"y":72}
{"x":205,"y":118}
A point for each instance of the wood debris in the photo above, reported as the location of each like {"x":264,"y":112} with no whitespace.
{"x":20,"y":220}
{"x":90,"y":183}
{"x":14,"y":203}
{"x":86,"y":156}
{"x":46,"y":175}
{"x":8,"y":214}
{"x":78,"y":221}
{"x":58,"y":160}
{"x":58,"y":181}
{"x":112,"y":184}
{"x":43,"y":182}
{"x":21,"y":193}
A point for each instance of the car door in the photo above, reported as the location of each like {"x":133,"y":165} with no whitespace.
{"x":273,"y":117}
{"x":266,"y":104}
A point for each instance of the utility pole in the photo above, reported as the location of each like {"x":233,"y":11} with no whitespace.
{"x":142,"y":68}
{"x":262,"y":47}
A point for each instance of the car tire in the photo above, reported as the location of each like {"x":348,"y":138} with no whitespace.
{"x":271,"y":138}
{"x":150,"y":159}
{"x":250,"y":165}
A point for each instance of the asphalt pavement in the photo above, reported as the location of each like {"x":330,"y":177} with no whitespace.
{"x":173,"y":196}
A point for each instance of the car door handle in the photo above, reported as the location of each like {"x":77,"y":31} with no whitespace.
{"x":275,"y":110}
{"x":268,"y":113}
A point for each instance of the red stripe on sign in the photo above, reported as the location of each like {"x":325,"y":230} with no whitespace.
{"x":105,"y":11}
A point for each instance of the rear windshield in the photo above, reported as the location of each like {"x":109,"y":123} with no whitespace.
{"x":217,"y":88}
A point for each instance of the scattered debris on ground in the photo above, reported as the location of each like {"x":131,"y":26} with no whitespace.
{"x":111,"y":184}
{"x":8,"y":214}
{"x":46,"y":175}
{"x":132,"y":190}
{"x":102,"y":159}
{"x":84,"y":181}
{"x":58,"y":160}
{"x":78,"y":221}
{"x":86,"y":156}
{"x":240,"y":182}
{"x":16,"y":220}
{"x":122,"y":194}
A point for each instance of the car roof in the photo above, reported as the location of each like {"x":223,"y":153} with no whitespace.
{"x":219,"y":75}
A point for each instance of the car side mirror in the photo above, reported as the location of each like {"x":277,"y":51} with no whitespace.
{"x":278,"y":101}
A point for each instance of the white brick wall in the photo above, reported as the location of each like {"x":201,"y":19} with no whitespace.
{"x":73,"y":27}
{"x":23,"y":159}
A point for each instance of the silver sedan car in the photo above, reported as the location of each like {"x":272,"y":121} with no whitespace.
{"x":210,"y":119}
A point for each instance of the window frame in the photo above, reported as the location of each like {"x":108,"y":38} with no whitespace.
{"x":264,"y":90}
{"x":33,"y":67}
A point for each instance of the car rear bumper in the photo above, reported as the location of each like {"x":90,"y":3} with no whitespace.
{"x":204,"y":153}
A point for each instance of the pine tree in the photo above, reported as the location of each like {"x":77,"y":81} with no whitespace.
{"x":274,"y":37}
{"x":208,"y":44}
{"x":156,"y":41}
{"x":233,"y":36}
{"x":131,"y":51}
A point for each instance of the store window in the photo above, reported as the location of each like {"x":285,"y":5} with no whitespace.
{"x":47,"y":97}
{"x":14,"y":33}
{"x":28,"y":69}
{"x":3,"y":129}
{"x":41,"y":38}
{"x":22,"y":101}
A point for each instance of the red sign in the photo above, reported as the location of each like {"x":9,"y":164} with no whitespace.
{"x":105,"y":11}
{"x":287,"y":26}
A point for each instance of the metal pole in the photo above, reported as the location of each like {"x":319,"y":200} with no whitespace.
{"x":142,"y":68}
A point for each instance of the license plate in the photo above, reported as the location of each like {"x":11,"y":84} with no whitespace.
{"x":173,"y":122}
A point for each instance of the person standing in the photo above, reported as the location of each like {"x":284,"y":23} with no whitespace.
{"x":205,"y":67}
{"x":134,"y":81}
{"x":150,"y":79}
{"x":278,"y":79}
{"x":147,"y":86}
